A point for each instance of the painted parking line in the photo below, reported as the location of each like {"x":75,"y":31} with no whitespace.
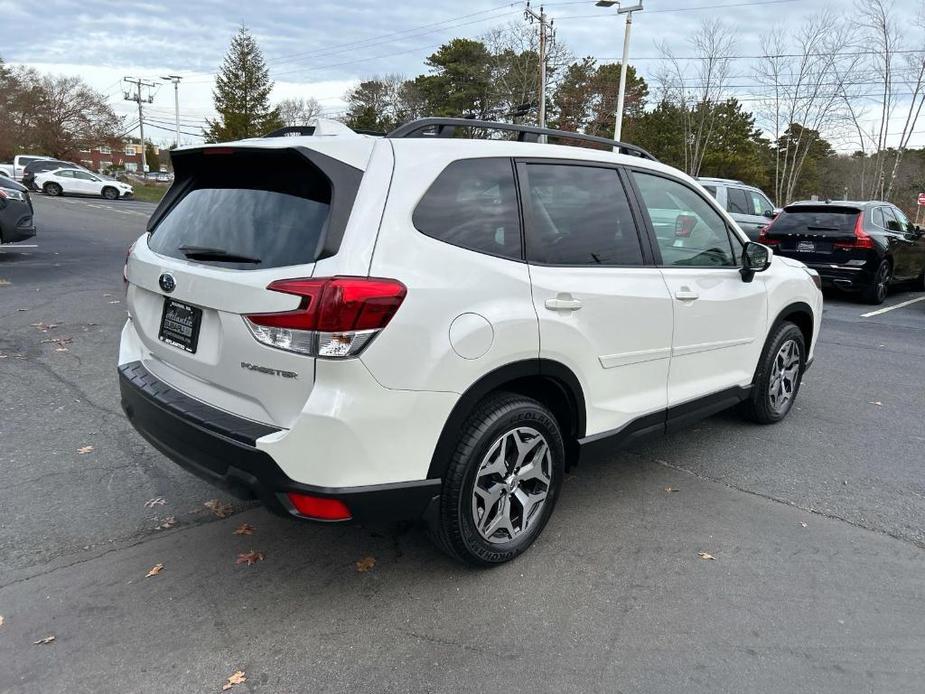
{"x":892,"y":308}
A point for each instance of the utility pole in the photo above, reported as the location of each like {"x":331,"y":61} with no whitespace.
{"x":139,"y":83}
{"x":176,"y":101}
{"x":628,"y":11}
{"x":547,"y":34}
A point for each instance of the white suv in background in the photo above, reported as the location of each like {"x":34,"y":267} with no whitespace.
{"x":437,"y":327}
{"x":751,"y":209}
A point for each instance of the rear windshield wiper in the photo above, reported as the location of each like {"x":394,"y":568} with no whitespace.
{"x":206,"y":253}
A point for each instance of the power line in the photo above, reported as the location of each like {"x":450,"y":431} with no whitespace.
{"x":688,"y":9}
{"x":336,"y":48}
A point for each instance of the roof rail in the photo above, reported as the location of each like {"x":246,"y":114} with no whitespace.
{"x":445,"y":127}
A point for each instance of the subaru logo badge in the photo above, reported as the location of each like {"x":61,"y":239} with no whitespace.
{"x":167,"y":282}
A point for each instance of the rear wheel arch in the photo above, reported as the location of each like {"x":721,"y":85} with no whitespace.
{"x":549,"y":382}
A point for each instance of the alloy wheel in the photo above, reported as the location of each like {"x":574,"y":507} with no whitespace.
{"x":785,"y":376}
{"x":512,"y":485}
{"x":883,"y":281}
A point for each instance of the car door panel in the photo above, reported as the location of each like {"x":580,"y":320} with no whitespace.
{"x":609,"y":322}
{"x":719,"y":320}
{"x":718,"y":335}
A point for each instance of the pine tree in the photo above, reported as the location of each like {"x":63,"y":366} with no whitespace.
{"x":242,"y":93}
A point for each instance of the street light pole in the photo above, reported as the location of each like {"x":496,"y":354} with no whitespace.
{"x":628,"y":11}
{"x":176,"y":101}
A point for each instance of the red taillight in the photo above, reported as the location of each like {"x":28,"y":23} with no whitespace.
{"x":763,"y":235}
{"x":861,"y":238}
{"x":128,"y":254}
{"x":318,"y":507}
{"x":337,"y":317}
{"x":684,"y":225}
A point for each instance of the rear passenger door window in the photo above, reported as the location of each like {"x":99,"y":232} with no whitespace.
{"x":737,"y":201}
{"x":580,"y":215}
{"x":473,"y":204}
{"x":688,"y":230}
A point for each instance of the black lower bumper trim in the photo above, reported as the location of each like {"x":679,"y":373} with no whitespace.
{"x":219,"y":448}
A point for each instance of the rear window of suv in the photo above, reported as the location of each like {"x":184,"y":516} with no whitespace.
{"x":819,"y":221}
{"x":272,"y":209}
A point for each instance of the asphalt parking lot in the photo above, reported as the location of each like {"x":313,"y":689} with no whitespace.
{"x":817,"y":526}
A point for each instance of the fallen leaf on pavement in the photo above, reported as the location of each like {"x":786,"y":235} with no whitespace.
{"x":236,"y":678}
{"x":4,"y":283}
{"x":802,"y":524}
{"x":22,"y":309}
{"x":244,"y":529}
{"x":249,"y":558}
{"x":156,"y":501}
{"x":61,"y":349}
{"x":47,"y":639}
{"x":365,"y":564}
{"x":704,"y":555}
{"x":672,"y":489}
{"x":168,"y":522}
{"x":83,"y":450}
{"x":1,"y":620}
{"x":219,"y":508}
{"x":45,"y":327}
{"x":115,"y":302}
{"x":155,"y":570}
{"x":877,"y":403}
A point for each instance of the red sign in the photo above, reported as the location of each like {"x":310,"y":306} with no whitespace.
{"x":922,"y":199}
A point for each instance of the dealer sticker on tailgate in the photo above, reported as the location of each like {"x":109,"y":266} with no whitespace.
{"x":180,"y":325}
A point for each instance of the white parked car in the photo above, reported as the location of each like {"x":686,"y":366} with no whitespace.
{"x":80,"y":182}
{"x":439,"y":327}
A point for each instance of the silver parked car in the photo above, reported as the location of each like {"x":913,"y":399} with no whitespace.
{"x":749,"y":206}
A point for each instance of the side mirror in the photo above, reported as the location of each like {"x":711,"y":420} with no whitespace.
{"x":756,"y":257}
{"x":770,"y":214}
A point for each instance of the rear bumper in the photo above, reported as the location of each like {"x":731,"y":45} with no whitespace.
{"x":844,"y":276}
{"x":220,"y":448}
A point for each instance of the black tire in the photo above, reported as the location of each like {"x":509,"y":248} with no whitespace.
{"x":453,"y":528}
{"x":876,"y":293}
{"x":110,"y":193}
{"x":761,"y":406}
{"x":52,"y":189}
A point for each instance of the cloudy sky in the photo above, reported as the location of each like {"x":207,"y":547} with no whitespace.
{"x":320,"y":48}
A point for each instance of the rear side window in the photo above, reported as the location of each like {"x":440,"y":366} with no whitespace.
{"x":580,"y":216}
{"x":711,"y":190}
{"x":737,"y":201}
{"x":819,"y":221}
{"x":473,"y":204}
{"x":261,"y":210}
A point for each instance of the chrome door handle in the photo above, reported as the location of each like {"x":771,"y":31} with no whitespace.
{"x":563,"y":302}
{"x":686,"y":295}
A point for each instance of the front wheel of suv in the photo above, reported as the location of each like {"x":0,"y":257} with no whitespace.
{"x":777,"y":379}
{"x":502,"y":481}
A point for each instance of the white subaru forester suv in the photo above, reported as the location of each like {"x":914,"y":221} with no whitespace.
{"x":432,"y":325}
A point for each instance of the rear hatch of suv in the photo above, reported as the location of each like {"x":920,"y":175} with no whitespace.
{"x":237,"y":220}
{"x":824,"y":233}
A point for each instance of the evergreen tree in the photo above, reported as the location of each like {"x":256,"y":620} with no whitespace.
{"x":151,"y":158}
{"x":242,"y":93}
